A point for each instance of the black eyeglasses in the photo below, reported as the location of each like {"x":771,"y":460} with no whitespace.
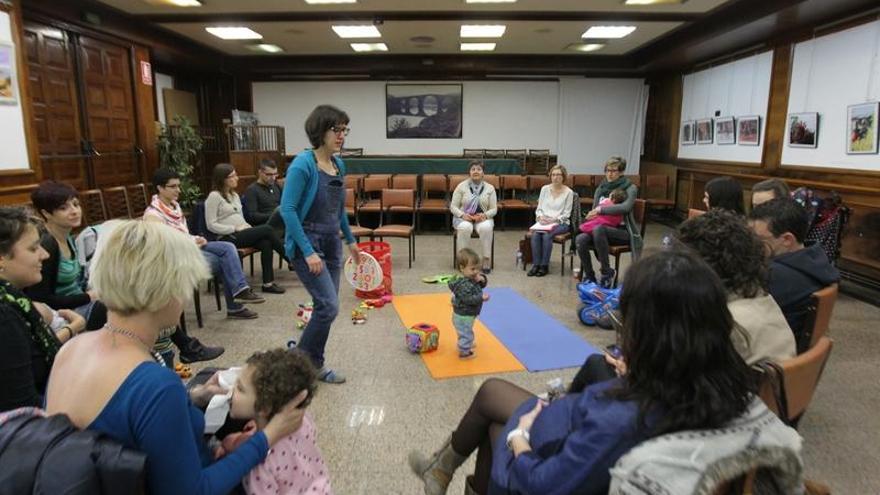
{"x":341,"y":130}
{"x":612,"y":170}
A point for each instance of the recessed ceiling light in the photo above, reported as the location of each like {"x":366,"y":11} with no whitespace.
{"x":608,"y":32}
{"x":489,"y":1}
{"x":314,"y":2}
{"x":585,"y":47}
{"x":652,"y":2}
{"x":176,"y":3}
{"x":482,"y":31}
{"x":266,"y":47}
{"x":234,"y":33}
{"x":365,"y":31}
{"x":477,"y":47}
{"x":369,"y":47}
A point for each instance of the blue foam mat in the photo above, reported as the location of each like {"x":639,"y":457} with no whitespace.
{"x":538,"y":341}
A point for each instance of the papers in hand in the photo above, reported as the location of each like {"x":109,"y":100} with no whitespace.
{"x":543,"y":227}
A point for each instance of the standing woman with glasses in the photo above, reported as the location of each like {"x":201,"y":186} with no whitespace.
{"x":313,"y":209}
{"x":225,"y":219}
{"x":554,"y":209}
{"x":603,"y":236}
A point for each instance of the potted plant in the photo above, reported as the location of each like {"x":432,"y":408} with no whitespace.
{"x":180,"y":149}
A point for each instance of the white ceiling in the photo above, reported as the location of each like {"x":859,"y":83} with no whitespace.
{"x":528,"y":37}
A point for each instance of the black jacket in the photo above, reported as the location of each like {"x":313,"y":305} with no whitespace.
{"x":794,"y":277}
{"x":48,"y":455}
{"x":260,"y":201}
{"x":44,"y":291}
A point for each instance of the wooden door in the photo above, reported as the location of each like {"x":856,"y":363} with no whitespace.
{"x":109,"y":112}
{"x":52,"y":80}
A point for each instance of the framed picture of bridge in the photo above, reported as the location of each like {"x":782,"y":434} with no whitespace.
{"x":423,"y":111}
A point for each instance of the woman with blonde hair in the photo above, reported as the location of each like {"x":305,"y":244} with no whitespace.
{"x":110,"y":381}
{"x":553,"y":214}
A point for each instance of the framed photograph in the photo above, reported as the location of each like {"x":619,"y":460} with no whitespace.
{"x":423,"y":111}
{"x":725,"y":130}
{"x":704,"y":131}
{"x":803,"y":130}
{"x":687,"y":132}
{"x":861,"y":128}
{"x":748,"y":130}
{"x":7,"y":74}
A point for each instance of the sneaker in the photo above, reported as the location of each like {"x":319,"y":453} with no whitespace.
{"x":328,"y":375}
{"x":248,"y":296}
{"x":468,"y":354}
{"x":242,"y":314}
{"x":607,"y":280}
{"x":273,"y":288}
{"x":196,"y":351}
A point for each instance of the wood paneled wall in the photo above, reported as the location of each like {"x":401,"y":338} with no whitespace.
{"x":860,"y":190}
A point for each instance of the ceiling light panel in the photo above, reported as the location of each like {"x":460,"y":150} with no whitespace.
{"x":653,"y":2}
{"x":369,"y":47}
{"x":176,"y":3}
{"x":608,"y":32}
{"x":489,"y":1}
{"x":585,"y":47}
{"x":477,"y":47}
{"x":482,"y":30}
{"x":266,"y":47}
{"x":318,"y":2}
{"x":234,"y":33}
{"x":364,"y":31}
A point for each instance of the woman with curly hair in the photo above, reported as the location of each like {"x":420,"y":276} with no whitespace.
{"x":736,"y":254}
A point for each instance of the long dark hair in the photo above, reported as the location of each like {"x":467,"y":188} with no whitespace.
{"x":218,"y":178}
{"x":725,"y":192}
{"x":682,"y":367}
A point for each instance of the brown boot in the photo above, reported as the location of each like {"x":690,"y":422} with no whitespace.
{"x":436,"y":471}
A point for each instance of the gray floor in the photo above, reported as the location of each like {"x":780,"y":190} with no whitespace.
{"x":391,"y":405}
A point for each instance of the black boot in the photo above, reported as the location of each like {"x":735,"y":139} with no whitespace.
{"x":195,"y":351}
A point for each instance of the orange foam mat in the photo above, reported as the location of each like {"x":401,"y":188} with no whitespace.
{"x":436,"y":309}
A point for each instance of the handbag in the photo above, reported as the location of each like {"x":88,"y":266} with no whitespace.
{"x":525,"y":249}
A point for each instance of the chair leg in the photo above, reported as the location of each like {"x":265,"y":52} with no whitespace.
{"x":616,"y":269}
{"x":198,"y":305}
{"x":409,"y":254}
{"x":217,"y":294}
{"x":183,"y":321}
{"x":492,"y":259}
{"x":251,"y":257}
{"x":454,"y":248}
{"x":562,"y":259}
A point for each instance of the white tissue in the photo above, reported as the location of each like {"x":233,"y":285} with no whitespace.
{"x":218,"y":407}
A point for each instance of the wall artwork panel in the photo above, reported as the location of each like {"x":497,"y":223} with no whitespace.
{"x":748,"y":130}
{"x":423,"y":111}
{"x":861,"y":128}
{"x":803,"y":130}
{"x":704,"y":131}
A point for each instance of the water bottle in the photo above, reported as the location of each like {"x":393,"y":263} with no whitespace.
{"x":555,"y":389}
{"x":518,"y":259}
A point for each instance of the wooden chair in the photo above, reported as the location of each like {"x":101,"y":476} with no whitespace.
{"x":495,"y":180}
{"x":454,"y":180}
{"x":138,"y":198}
{"x":197,"y":300}
{"x":656,"y":192}
{"x":351,"y":152}
{"x":539,"y":161}
{"x":433,"y":184}
{"x":635,"y":179}
{"x":473,"y":153}
{"x":519,"y":156}
{"x":117,"y":203}
{"x":94,"y":210}
{"x":639,"y":213}
{"x":536,"y":182}
{"x":371,"y":190}
{"x":818,"y":317}
{"x":354,"y":181}
{"x":788,"y":387}
{"x":561,"y":239}
{"x":582,"y":184}
{"x":398,"y":201}
{"x":351,"y":209}
{"x":493,"y":154}
{"x":405,"y":181}
{"x":514,"y":195}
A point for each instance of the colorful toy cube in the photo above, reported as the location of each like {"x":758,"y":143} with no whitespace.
{"x":422,"y":337}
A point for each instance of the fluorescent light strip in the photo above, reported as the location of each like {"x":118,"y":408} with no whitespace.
{"x":608,"y":32}
{"x":586,"y":47}
{"x":369,"y":47}
{"x":482,"y":30}
{"x":477,"y":47}
{"x":185,"y":3}
{"x":653,"y":2}
{"x":316,"y":2}
{"x":365,"y":31}
{"x":266,"y":47}
{"x":489,"y":1}
{"x":234,"y":33}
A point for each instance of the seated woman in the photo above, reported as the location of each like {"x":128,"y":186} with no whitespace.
{"x":684,"y":374}
{"x":29,"y":344}
{"x":724,"y":193}
{"x":63,"y":285}
{"x":724,"y":240}
{"x":109,"y":381}
{"x":224,"y":218}
{"x":603,"y":237}
{"x":473,"y":206}
{"x":554,"y":209}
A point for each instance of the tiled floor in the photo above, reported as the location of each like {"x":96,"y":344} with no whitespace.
{"x":391,"y":405}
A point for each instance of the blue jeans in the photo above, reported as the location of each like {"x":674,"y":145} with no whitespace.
{"x":223,"y":258}
{"x":464,"y":327}
{"x":324,"y":289}
{"x":542,"y":244}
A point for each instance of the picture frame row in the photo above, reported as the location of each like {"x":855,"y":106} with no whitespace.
{"x":745,"y":130}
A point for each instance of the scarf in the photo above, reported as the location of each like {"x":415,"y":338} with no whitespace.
{"x":471,"y":207}
{"x":606,"y":187}
{"x":43,"y":336}
{"x":171,"y":215}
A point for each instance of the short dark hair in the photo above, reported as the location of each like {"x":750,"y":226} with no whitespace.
{"x":730,"y":247}
{"x":280,"y":374}
{"x":783,"y":215}
{"x":267,"y":163}
{"x":14,"y":222}
{"x":162,"y":175}
{"x":676,"y":342}
{"x":218,"y":178}
{"x":725,"y":192}
{"x":778,"y":186}
{"x":51,"y":195}
{"x":475,"y":163}
{"x":322,"y":118}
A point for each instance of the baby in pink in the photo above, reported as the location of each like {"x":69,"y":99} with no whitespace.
{"x":294,"y":464}
{"x":617,"y":196}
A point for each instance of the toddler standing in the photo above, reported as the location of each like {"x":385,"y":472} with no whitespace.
{"x":467,"y":299}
